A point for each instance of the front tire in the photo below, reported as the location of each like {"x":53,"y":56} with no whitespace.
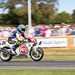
{"x":36,"y":55}
{"x":5,"y":56}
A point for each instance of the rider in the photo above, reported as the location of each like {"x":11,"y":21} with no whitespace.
{"x":17,"y":36}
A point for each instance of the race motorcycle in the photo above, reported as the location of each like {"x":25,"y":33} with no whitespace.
{"x":26,"y":48}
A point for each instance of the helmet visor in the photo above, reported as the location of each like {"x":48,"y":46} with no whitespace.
{"x":23,"y":29}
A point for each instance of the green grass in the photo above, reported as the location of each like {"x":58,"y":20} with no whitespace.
{"x":37,"y":72}
{"x":59,"y":58}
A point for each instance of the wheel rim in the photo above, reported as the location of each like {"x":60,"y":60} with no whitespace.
{"x":5,"y":56}
{"x":36,"y":55}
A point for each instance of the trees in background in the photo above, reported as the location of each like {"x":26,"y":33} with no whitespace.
{"x":43,"y":11}
{"x":63,"y":17}
{"x":73,"y":16}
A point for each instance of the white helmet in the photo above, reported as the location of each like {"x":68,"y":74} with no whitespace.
{"x":21,"y":28}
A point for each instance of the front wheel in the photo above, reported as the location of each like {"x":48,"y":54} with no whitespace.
{"x":37,"y":54}
{"x":5,"y":56}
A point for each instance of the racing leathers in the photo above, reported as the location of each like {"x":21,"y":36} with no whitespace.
{"x":16,"y":37}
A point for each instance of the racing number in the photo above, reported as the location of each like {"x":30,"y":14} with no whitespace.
{"x":23,"y":49}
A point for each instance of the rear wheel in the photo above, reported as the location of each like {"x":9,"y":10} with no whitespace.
{"x":5,"y":56}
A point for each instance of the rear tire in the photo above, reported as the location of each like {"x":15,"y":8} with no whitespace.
{"x":5,"y":56}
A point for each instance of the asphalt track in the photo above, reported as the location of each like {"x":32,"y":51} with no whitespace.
{"x":37,"y":65}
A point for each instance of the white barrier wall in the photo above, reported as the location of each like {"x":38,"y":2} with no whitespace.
{"x":53,"y":42}
{"x":59,"y":41}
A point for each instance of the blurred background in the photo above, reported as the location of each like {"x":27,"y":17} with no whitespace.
{"x":49,"y":17}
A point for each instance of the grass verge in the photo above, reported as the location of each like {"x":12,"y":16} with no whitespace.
{"x":37,"y":72}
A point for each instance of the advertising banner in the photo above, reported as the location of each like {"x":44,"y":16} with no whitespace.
{"x":53,"y":42}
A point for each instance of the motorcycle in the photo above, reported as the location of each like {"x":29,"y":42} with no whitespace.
{"x":25,"y":48}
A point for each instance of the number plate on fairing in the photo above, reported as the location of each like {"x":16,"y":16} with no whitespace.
{"x":23,"y":49}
